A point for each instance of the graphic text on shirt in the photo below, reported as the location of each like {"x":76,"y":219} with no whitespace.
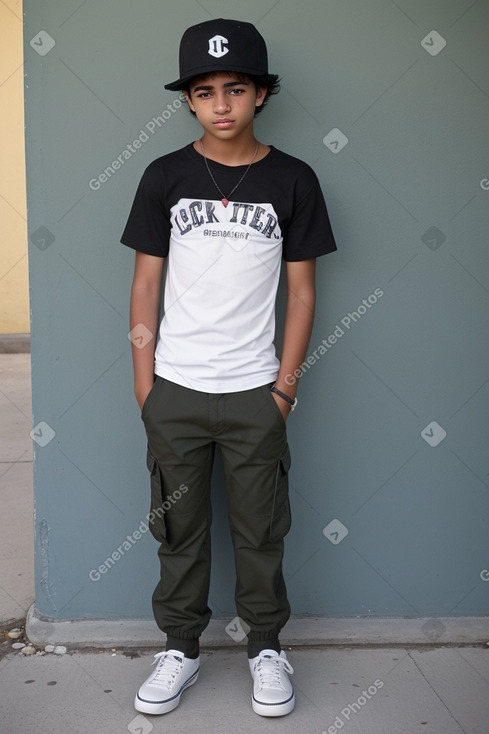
{"x":190,"y":214}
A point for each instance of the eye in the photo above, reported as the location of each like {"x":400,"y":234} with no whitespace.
{"x":204,"y":95}
{"x":237,"y":91}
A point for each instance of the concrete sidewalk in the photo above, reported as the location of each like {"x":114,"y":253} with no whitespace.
{"x":16,"y":516}
{"x":383,"y":689}
{"x":360,"y":691}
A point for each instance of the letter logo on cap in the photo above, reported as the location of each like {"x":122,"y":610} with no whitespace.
{"x":216,"y":46}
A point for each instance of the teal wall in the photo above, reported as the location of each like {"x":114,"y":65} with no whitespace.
{"x":389,"y":483}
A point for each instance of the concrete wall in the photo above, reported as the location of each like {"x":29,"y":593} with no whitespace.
{"x":389,"y":484}
{"x":14,"y":289}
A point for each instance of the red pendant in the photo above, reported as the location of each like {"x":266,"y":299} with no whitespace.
{"x":225,"y":202}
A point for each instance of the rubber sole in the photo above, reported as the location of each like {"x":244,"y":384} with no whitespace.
{"x":275,"y":709}
{"x":146,"y":707}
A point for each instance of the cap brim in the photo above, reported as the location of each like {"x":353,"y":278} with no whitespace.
{"x":175,"y":86}
{"x":180,"y":83}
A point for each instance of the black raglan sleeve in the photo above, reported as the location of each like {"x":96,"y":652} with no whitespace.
{"x":309,"y":233}
{"x":148,"y":226}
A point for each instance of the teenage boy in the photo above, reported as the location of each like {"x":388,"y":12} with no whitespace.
{"x":223,"y":211}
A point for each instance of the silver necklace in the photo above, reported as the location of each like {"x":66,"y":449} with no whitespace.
{"x":225,"y":199}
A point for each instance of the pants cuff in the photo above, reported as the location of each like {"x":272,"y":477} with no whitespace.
{"x":256,"y":646}
{"x":190,"y":648}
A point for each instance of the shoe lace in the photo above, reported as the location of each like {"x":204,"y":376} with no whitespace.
{"x":269,"y":669}
{"x":169,"y":666}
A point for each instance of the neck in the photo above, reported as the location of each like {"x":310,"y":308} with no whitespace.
{"x":228,"y":152}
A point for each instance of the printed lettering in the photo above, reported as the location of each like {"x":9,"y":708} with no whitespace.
{"x":198,"y":213}
{"x":270,"y":226}
{"x":184,"y":216}
{"x":209,"y":210}
{"x":196,"y":220}
{"x":255,"y":222}
{"x":246,"y":209}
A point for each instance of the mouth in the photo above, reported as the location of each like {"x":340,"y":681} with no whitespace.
{"x":225,"y":123}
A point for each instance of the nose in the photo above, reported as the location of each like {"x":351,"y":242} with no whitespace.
{"x":221,"y":102}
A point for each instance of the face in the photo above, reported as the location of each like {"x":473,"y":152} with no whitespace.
{"x":224,"y":105}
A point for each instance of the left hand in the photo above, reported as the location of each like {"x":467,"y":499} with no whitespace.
{"x":282,"y":405}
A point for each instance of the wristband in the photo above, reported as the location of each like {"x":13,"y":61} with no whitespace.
{"x":292,"y":403}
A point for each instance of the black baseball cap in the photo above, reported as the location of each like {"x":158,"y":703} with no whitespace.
{"x":220,"y":45}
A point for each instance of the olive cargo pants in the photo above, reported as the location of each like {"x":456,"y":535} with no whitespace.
{"x":183,"y":426}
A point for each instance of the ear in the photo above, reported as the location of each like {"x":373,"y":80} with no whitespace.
{"x":189,"y":100}
{"x":260,"y":96}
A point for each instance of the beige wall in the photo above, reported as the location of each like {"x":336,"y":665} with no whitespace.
{"x":14,"y":291}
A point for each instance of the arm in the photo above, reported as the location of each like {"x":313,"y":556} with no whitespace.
{"x":144,"y":309}
{"x":299,"y":317}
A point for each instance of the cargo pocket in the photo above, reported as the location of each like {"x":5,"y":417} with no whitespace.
{"x":281,"y":517}
{"x":156,"y":517}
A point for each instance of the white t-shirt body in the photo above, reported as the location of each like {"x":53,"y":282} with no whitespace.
{"x":223,"y":262}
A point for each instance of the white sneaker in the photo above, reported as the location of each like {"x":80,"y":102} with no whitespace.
{"x":273,"y":693}
{"x":161,"y":692}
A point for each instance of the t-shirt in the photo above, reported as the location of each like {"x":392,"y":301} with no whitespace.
{"x":223,"y":262}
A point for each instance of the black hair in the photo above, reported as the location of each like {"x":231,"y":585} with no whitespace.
{"x":269,"y":81}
